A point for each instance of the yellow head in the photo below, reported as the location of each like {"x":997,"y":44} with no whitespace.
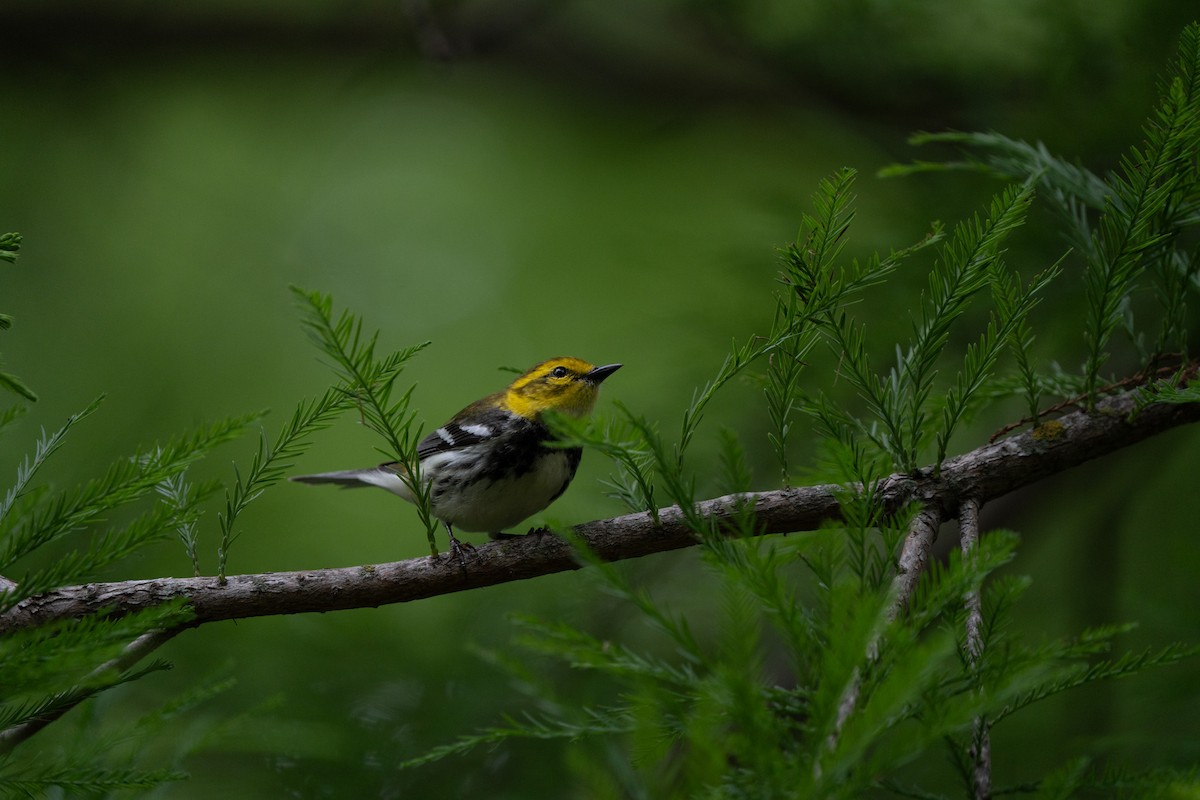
{"x":566,"y":385}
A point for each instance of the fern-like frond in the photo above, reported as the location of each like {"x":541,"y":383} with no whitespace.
{"x":58,"y":658}
{"x":1152,"y":193}
{"x":272,"y":461}
{"x":963,"y":270}
{"x":582,"y":651}
{"x":45,"y":447}
{"x":594,"y":722}
{"x":369,"y":382}
{"x":1073,"y":676}
{"x":124,"y":482}
{"x":618,"y":440}
{"x":35,"y":780}
{"x":1007,"y":329}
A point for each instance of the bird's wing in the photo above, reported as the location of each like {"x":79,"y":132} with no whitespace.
{"x":464,"y":430}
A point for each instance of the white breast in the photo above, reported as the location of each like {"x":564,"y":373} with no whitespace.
{"x":491,"y":506}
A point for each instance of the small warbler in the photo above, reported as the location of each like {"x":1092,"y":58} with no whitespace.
{"x":491,"y":466}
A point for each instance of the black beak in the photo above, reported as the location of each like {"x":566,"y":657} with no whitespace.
{"x":598,"y":374}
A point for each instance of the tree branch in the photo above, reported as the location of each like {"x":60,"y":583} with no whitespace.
{"x":982,"y":474}
{"x":914,"y":555}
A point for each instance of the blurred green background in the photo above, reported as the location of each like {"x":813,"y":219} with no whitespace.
{"x":514,"y":181}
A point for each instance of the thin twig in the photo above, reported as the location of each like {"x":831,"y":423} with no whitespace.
{"x":980,"y":750}
{"x":968,"y":523}
{"x":914,"y":555}
{"x":132,"y":653}
{"x":1186,"y":371}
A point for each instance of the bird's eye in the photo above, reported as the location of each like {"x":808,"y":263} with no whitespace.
{"x":559,"y":372}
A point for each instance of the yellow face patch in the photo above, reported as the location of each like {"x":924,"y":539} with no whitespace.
{"x":559,"y":384}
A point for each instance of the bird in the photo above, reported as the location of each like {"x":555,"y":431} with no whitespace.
{"x":492,"y":465}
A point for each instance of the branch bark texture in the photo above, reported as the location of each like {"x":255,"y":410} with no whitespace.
{"x":914,"y":555}
{"x":983,"y":474}
{"x":980,"y":750}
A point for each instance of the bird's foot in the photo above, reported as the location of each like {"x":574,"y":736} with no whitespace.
{"x":461,"y":550}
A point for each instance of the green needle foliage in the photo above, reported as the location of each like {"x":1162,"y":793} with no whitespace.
{"x":368,"y":382}
{"x":10,"y":244}
{"x":140,"y":499}
{"x":270,"y":465}
{"x":56,"y":515}
{"x":36,"y":781}
{"x":1152,"y":197}
{"x":46,"y":671}
{"x":1132,"y":227}
{"x":184,"y":498}
{"x":814,"y":683}
{"x":820,"y":677}
{"x":902,"y":400}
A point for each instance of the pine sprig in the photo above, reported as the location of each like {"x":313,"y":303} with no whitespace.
{"x":1169,"y":392}
{"x":1177,"y":276}
{"x":810,"y":272}
{"x":1137,"y":220}
{"x":23,"y":780}
{"x":106,"y":548}
{"x":814,"y":304}
{"x":1072,"y":676}
{"x":1073,"y":188}
{"x":782,"y":394}
{"x":271,"y":463}
{"x":61,"y":657}
{"x":963,"y":270}
{"x":1006,"y":329}
{"x":45,"y":447}
{"x":817,"y":284}
{"x":125,"y":482}
{"x":10,"y":246}
{"x":633,"y":483}
{"x":55,"y":705}
{"x":583,"y":651}
{"x":759,"y":568}
{"x":594,"y":722}
{"x":184,"y":498}
{"x":680,"y":486}
{"x":849,"y":339}
{"x":369,"y":382}
{"x":823,"y":291}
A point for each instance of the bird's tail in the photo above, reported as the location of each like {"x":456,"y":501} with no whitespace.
{"x":385,"y":476}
